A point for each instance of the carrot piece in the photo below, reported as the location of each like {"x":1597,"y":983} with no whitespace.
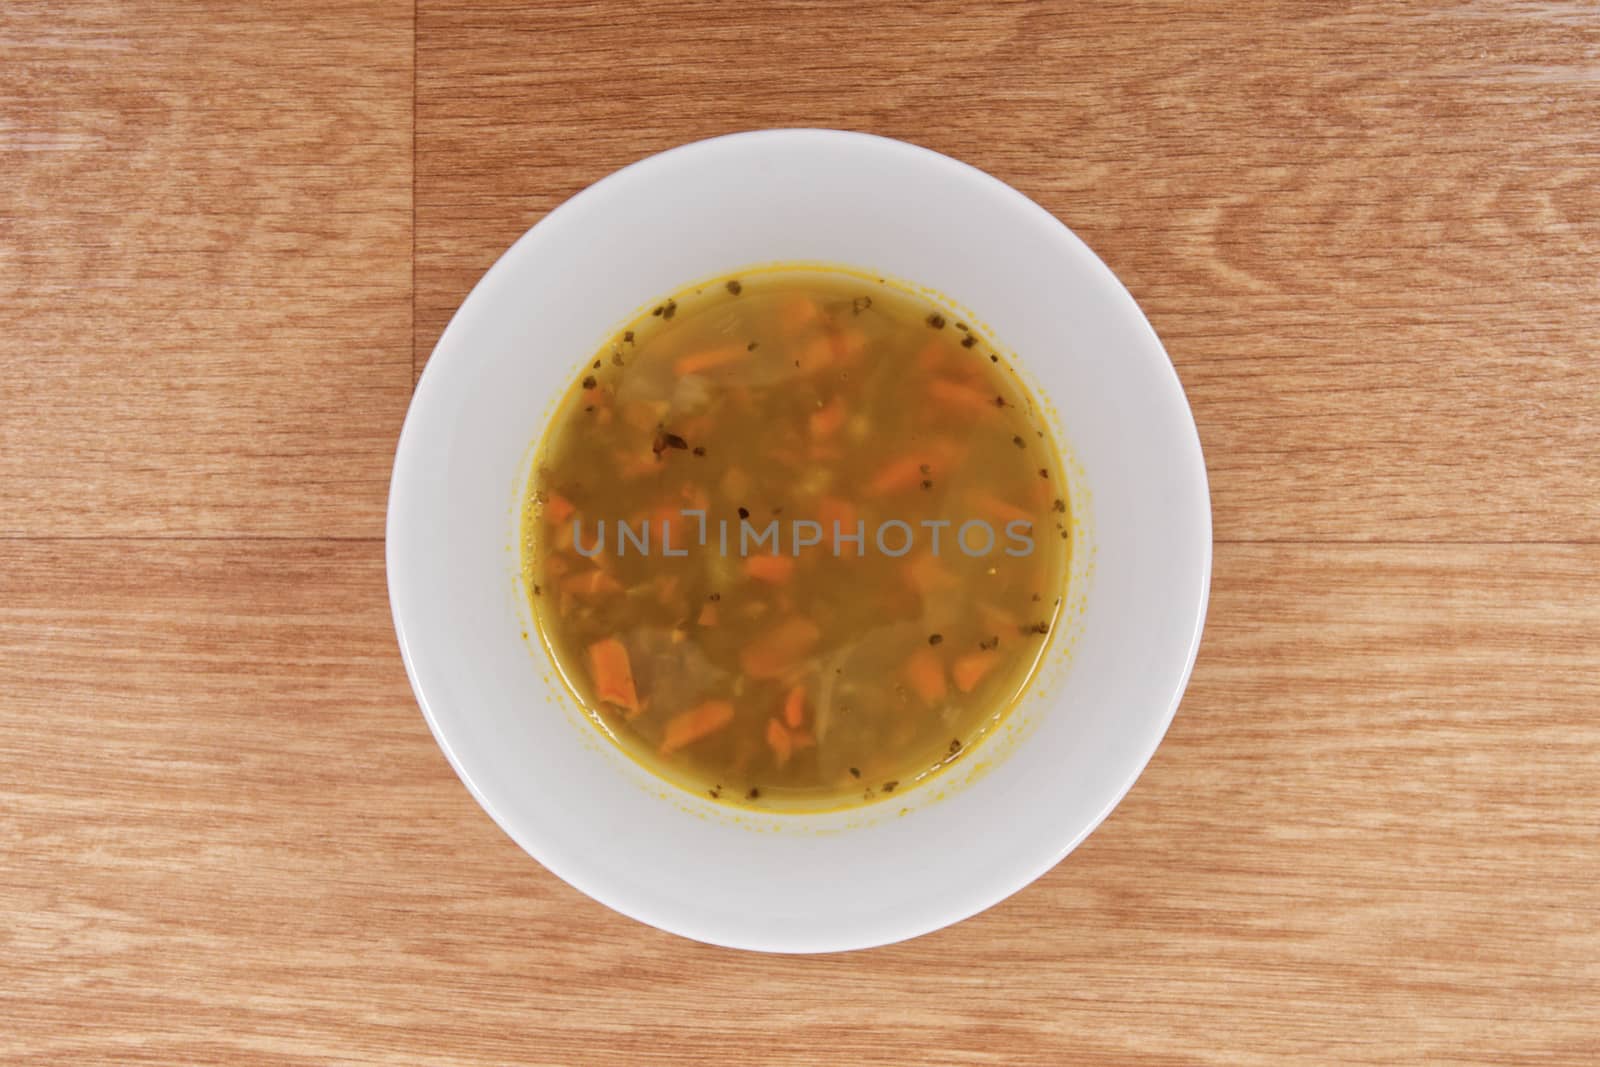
{"x":966,"y":370}
{"x":970,"y":669}
{"x":794,"y":707}
{"x":557,"y":508}
{"x":898,"y":475}
{"x":997,"y":620}
{"x":591,"y":583}
{"x":701,"y":721}
{"x":933,"y":356}
{"x":848,"y":344}
{"x":924,"y":672}
{"x":778,"y":740}
{"x":613,"y":674}
{"x":927,"y":574}
{"x":960,"y":398}
{"x":708,"y":615}
{"x":815,"y":354}
{"x":631,"y":464}
{"x":826,"y":420}
{"x":709,"y":359}
{"x":780,"y":648}
{"x":797,"y":313}
{"x":1000,"y":510}
{"x":774,"y":570}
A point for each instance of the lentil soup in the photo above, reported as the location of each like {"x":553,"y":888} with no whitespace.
{"x":796,"y":539}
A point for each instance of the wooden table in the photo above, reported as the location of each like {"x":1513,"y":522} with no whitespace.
{"x":229,"y":235}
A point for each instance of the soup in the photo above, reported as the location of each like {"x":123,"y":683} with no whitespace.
{"x":796,"y":539}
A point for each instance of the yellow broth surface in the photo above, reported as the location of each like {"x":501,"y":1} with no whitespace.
{"x":796,"y":539}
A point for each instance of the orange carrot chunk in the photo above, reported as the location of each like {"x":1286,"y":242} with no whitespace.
{"x":926,"y":573}
{"x":687,"y":727}
{"x":971,"y":668}
{"x":774,"y":570}
{"x":899,"y":475}
{"x":779,"y":741}
{"x":709,"y":359}
{"x":708,"y":615}
{"x":794,"y":707}
{"x":1001,"y":511}
{"x":848,"y":344}
{"x":798,"y":312}
{"x":591,"y":583}
{"x":557,"y":508}
{"x":826,"y":420}
{"x":960,"y":398}
{"x":997,"y":620}
{"x":815,"y":354}
{"x":924,"y":673}
{"x":933,"y":356}
{"x":780,"y":648}
{"x":613,"y":674}
{"x":632,"y":463}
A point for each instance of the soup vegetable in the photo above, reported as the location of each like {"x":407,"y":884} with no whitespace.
{"x":796,"y":539}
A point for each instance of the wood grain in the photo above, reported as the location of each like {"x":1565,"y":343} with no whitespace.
{"x":205,"y":225}
{"x":1368,"y":839}
{"x":1368,"y":236}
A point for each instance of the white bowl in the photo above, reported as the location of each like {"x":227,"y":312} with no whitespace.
{"x":1021,"y":800}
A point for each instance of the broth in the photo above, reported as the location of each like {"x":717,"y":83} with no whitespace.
{"x":796,"y":539}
